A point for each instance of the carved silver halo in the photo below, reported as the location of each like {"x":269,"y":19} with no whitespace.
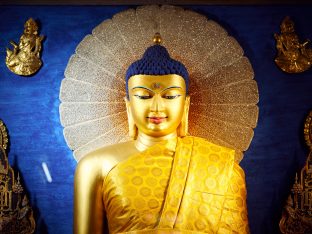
{"x":223,"y":93}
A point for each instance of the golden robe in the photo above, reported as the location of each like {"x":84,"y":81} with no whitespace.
{"x":184,"y":185}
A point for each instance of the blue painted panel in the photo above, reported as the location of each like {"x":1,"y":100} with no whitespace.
{"x":29,"y":106}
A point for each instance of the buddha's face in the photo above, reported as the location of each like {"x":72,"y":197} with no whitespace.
{"x":157,"y":103}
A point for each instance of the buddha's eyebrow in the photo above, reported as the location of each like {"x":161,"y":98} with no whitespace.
{"x":171,"y":87}
{"x":142,"y":87}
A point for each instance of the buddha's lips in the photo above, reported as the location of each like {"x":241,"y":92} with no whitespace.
{"x":156,"y":120}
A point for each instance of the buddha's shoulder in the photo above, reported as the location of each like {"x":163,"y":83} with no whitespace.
{"x":102,"y":160}
{"x":213,"y":148}
{"x":203,"y":141}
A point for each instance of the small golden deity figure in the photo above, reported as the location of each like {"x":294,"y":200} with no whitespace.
{"x":297,"y":214}
{"x":292,"y":56}
{"x":25,"y":58}
{"x":163,"y":181}
{"x":16,"y":215}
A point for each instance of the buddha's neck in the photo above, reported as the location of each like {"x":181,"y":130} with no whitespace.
{"x":144,"y":141}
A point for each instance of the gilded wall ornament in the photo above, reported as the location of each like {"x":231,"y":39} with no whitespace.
{"x":24,"y":59}
{"x":292,"y":56}
{"x":297,"y":214}
{"x":308,"y":130}
{"x":16,"y":215}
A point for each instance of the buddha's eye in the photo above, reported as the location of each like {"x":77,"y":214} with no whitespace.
{"x":142,"y":96}
{"x":171,"y":96}
{"x":171,"y":93}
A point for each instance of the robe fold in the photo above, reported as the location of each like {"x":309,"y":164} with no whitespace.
{"x":183,"y":185}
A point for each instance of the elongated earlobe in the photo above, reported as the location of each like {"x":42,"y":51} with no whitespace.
{"x":183,"y":127}
{"x":133,"y":131}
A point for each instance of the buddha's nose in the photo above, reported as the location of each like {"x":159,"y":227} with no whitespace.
{"x":157,"y":103}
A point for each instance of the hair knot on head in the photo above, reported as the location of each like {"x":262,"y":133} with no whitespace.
{"x":156,"y":61}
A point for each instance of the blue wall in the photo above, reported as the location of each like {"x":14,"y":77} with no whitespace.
{"x":29,"y":106}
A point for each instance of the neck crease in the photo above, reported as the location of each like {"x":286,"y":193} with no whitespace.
{"x":144,"y":141}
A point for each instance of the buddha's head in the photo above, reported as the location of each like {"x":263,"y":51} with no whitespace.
{"x":157,"y":89}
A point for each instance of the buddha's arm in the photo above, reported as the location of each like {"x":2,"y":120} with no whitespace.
{"x":89,"y":211}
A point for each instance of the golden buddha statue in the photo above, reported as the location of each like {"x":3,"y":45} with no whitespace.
{"x":24,"y":59}
{"x":163,"y":181}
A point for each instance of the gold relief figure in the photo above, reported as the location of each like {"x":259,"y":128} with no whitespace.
{"x":16,"y":215}
{"x":25,"y":58}
{"x":292,"y":56}
{"x":162,"y":181}
{"x":297,"y":213}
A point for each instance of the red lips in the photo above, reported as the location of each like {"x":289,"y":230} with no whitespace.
{"x":157,"y":120}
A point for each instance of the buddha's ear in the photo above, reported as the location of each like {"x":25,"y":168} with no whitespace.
{"x":183,"y":127}
{"x":132,"y":128}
